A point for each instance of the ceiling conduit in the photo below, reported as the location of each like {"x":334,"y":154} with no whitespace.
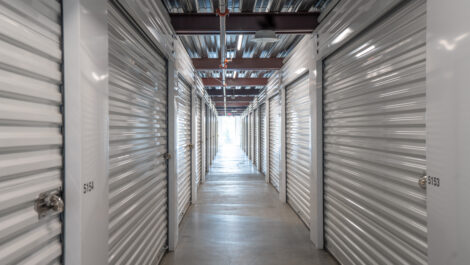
{"x":223,"y":54}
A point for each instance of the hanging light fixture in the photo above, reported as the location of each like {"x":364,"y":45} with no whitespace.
{"x":265,"y":36}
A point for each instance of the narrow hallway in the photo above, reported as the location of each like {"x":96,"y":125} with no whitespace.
{"x":239,"y":220}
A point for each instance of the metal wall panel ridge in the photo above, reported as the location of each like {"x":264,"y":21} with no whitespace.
{"x":198,"y":139}
{"x":263,"y":137}
{"x":375,"y":143}
{"x":30,"y":129}
{"x":183,"y":153}
{"x":137,"y":144}
{"x":298,"y":153}
{"x":274,"y":140}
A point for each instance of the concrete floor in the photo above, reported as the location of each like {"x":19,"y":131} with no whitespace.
{"x":239,"y":220}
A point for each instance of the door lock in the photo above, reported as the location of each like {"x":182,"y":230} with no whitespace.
{"x":167,"y":156}
{"x":48,"y":203}
{"x":423,"y":181}
{"x":191,"y":146}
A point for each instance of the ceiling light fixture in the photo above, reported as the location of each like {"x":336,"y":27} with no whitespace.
{"x":265,"y":36}
{"x":239,"y":44}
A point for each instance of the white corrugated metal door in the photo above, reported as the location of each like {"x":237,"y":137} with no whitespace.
{"x":198,"y":139}
{"x":208,"y":137}
{"x":263,"y":137}
{"x":375,"y":143}
{"x":30,"y":129}
{"x":298,"y":147}
{"x":183,"y":157}
{"x":137,"y":144}
{"x":274,"y":140}
{"x":256,"y":134}
{"x":250,"y":136}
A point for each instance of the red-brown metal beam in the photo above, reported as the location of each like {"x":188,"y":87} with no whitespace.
{"x":239,"y":92}
{"x":245,"y":23}
{"x":232,"y":104}
{"x":229,"y":98}
{"x":211,"y":82}
{"x":239,"y":64}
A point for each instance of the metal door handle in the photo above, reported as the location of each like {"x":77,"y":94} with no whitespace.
{"x":423,"y":181}
{"x":49,"y":202}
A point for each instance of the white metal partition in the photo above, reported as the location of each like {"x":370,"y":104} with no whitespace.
{"x":198,"y":136}
{"x":262,"y":114}
{"x":256,"y":136}
{"x":274,"y":140}
{"x":30,"y":130}
{"x":298,"y":153}
{"x":137,"y":144}
{"x":374,"y":143}
{"x":183,"y":157}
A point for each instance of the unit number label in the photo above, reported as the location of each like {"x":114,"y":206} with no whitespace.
{"x":434,"y":181}
{"x":88,"y":187}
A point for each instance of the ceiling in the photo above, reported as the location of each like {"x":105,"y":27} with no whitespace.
{"x":240,"y":45}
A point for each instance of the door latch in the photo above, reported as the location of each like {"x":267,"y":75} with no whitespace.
{"x":191,"y":146}
{"x":423,"y":181}
{"x":48,"y":203}
{"x":167,"y":156}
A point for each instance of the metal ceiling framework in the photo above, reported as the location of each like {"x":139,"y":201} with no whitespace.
{"x":233,"y":67}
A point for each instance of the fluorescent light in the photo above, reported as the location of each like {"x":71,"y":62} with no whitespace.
{"x":368,"y":49}
{"x":343,"y":35}
{"x":240,"y":39}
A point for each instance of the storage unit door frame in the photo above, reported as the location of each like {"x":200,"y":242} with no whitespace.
{"x":256,"y":121}
{"x":275,"y":140}
{"x":298,"y":142}
{"x":31,"y":139}
{"x":183,"y":153}
{"x":374,"y":104}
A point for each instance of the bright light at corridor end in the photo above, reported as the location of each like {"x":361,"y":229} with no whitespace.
{"x":229,"y":130}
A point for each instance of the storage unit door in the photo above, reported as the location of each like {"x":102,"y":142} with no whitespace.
{"x":183,"y":153}
{"x":30,"y":130}
{"x":208,"y":135}
{"x":274,"y":140}
{"x":298,"y":151}
{"x":375,"y":144}
{"x":137,"y":144}
{"x":256,"y":119}
{"x":250,"y":138}
{"x":262,"y":115}
{"x":198,"y":139}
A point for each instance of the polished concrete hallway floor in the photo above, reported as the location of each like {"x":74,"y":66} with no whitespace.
{"x":239,"y":220}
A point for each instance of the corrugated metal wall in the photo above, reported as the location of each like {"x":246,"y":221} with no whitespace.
{"x":198,"y":136}
{"x":274,"y":140}
{"x":263,"y":156}
{"x":298,"y":153}
{"x":137,"y":143}
{"x":256,"y":134}
{"x":183,"y":157}
{"x":374,"y":143}
{"x":208,"y":137}
{"x":30,"y":129}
